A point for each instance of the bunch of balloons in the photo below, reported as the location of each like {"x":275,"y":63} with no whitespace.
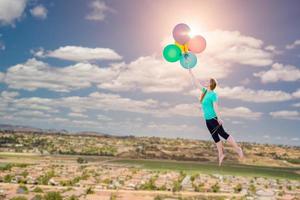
{"x":185,"y":47}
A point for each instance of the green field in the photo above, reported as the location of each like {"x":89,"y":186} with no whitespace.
{"x":213,"y":168}
{"x":163,"y":165}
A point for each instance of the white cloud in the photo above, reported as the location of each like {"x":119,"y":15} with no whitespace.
{"x":171,"y":127}
{"x":279,"y":72}
{"x":270,"y":48}
{"x":112,"y":102}
{"x":84,"y":123}
{"x":295,"y":44}
{"x":224,"y":51}
{"x":107,"y":101}
{"x":250,"y":95}
{"x":60,"y":119}
{"x":286,"y":114}
{"x":30,"y":113}
{"x":149,"y":74}
{"x":36,"y":103}
{"x":50,"y":111}
{"x":103,"y":118}
{"x":36,"y":74}
{"x":192,"y":110}
{"x":297,"y":94}
{"x":240,"y":112}
{"x":77,"y":115}
{"x":98,"y":10}
{"x":11,"y":10}
{"x":232,"y":46}
{"x":95,"y":101}
{"x":273,"y":49}
{"x":296,"y":105}
{"x":229,"y":48}
{"x":237,"y":122}
{"x":245,"y":81}
{"x":2,"y":46}
{"x":7,"y":95}
{"x":2,"y":75}
{"x":79,"y":54}
{"x":39,"y":11}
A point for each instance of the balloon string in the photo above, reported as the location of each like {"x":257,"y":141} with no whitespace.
{"x":193,"y":83}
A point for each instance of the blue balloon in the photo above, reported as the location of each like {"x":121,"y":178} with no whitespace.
{"x":188,"y":60}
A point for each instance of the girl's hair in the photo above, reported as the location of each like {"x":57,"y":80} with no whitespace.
{"x":212,"y":86}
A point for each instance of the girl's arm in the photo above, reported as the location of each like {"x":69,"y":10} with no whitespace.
{"x":216,"y":108}
{"x":196,"y":83}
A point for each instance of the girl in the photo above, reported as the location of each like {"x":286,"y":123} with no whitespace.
{"x":209,"y":99}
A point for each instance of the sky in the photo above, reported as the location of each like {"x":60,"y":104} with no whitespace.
{"x":96,"y":65}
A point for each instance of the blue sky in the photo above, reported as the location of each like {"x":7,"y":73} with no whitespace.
{"x":96,"y":65}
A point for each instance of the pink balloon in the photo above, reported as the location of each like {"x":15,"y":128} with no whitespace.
{"x":181,"y":33}
{"x":197,"y":44}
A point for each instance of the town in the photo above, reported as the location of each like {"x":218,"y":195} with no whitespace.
{"x":65,"y":166}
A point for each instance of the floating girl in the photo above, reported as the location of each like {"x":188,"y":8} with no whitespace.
{"x":209,"y":102}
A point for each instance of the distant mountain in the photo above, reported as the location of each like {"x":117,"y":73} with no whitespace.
{"x":21,"y":128}
{"x":89,"y":133}
{"x":95,"y":133}
{"x":30,"y":129}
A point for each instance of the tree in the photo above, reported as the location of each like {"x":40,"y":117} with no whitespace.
{"x":80,"y":160}
{"x":238,"y":188}
{"x":73,"y":197}
{"x":37,"y":197}
{"x":53,"y":196}
{"x":7,"y":178}
{"x":19,"y":198}
{"x":252,"y":188}
{"x":176,"y":186}
{"x":215,"y":187}
{"x":113,"y":196}
{"x":89,"y":191}
{"x":38,"y":190}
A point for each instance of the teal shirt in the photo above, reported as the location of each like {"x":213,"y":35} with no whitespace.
{"x":207,"y":104}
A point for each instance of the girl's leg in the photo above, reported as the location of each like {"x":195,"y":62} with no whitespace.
{"x":238,"y":149}
{"x":231,"y":141}
{"x":220,"y":151}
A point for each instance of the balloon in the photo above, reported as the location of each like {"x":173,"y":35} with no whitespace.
{"x":197,"y":44}
{"x":184,"y":48}
{"x":181,"y":33}
{"x":188,"y":60}
{"x":172,"y":53}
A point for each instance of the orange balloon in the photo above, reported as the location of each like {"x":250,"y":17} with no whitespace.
{"x":197,"y":44}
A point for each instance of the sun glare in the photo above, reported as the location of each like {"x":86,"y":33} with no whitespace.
{"x":196,"y":29}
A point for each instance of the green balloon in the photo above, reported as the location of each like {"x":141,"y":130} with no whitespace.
{"x":172,"y":53}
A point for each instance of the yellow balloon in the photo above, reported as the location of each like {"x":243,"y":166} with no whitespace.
{"x":183,"y":48}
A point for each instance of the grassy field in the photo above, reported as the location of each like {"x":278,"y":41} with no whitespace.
{"x":213,"y":168}
{"x":163,"y":165}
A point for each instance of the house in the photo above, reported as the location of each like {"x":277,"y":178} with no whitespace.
{"x":52,"y":181}
{"x":31,"y":180}
{"x":266,"y":194}
{"x":186,"y":184}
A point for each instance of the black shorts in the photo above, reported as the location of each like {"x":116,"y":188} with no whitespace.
{"x":216,"y":130}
